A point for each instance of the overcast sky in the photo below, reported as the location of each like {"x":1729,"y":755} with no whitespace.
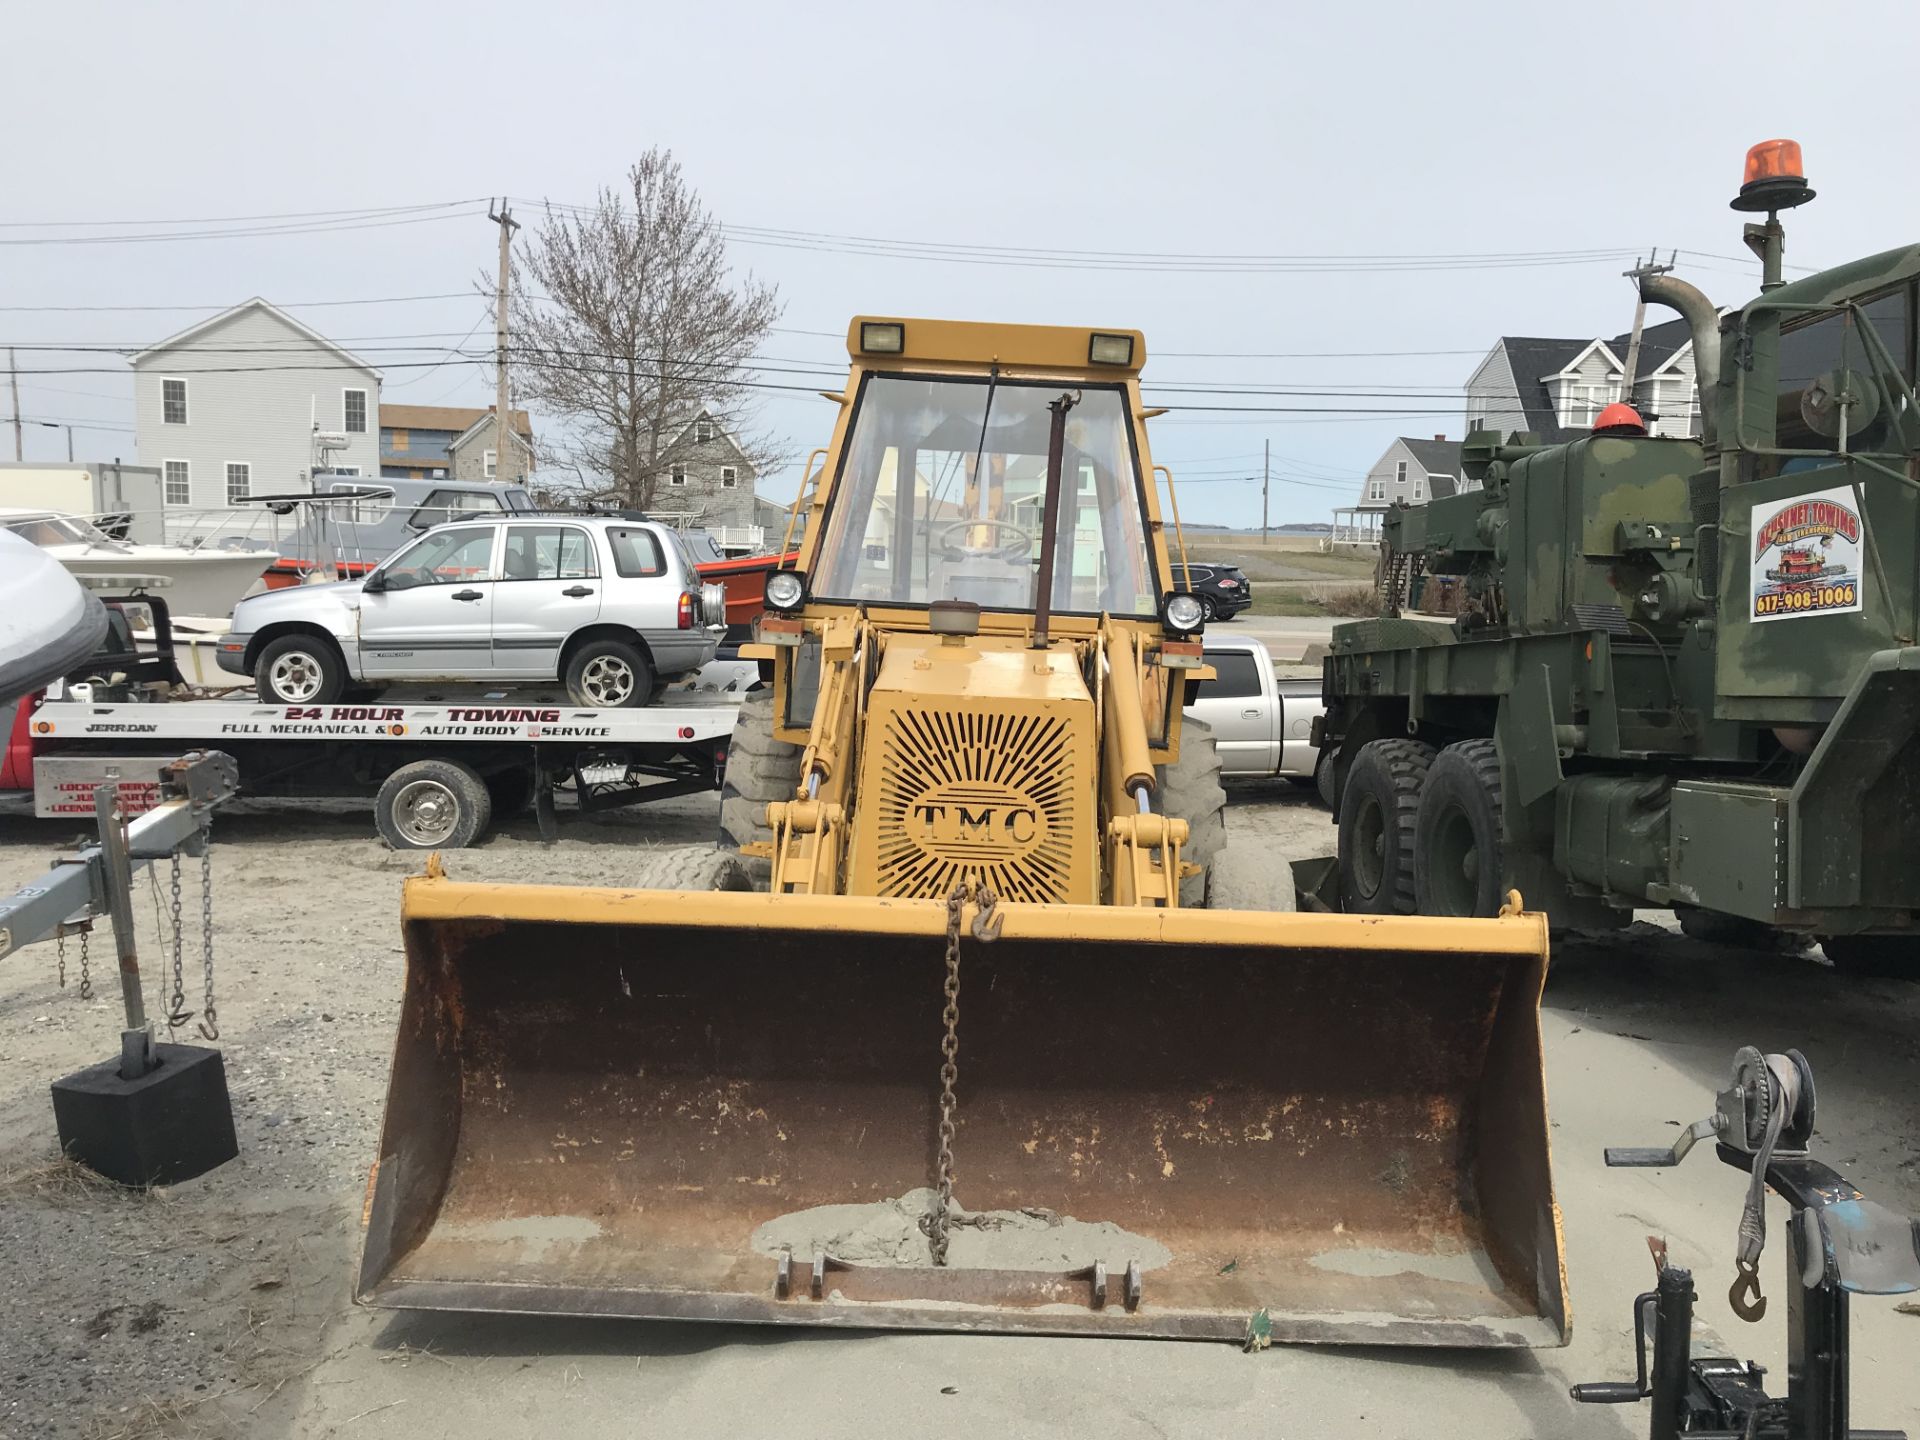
{"x":1201,"y":130}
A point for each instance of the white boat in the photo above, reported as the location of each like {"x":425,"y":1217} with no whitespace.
{"x":202,"y":582}
{"x":48,"y":624}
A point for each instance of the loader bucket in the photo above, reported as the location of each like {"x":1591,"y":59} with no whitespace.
{"x":724,"y":1107}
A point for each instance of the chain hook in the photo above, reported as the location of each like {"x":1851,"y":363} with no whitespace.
{"x":1744,"y":1295}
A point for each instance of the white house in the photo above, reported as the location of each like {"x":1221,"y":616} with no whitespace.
{"x":230,"y":406}
{"x":1554,"y":388}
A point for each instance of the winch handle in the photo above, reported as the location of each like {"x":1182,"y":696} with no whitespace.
{"x":1651,"y":1157}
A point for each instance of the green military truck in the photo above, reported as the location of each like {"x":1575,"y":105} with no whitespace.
{"x":1668,"y":672}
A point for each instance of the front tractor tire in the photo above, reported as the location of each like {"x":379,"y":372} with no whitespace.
{"x":760,"y":770}
{"x":1190,"y":790}
{"x":1378,"y":806}
{"x":1459,"y":854}
{"x":299,"y":669}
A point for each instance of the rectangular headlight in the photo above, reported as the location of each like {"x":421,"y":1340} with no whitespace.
{"x":1110,"y":349}
{"x":889,"y":338}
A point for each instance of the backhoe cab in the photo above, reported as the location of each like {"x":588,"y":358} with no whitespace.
{"x":983,"y":572}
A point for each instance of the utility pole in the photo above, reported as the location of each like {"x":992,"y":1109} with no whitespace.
{"x":501,"y":425}
{"x":1266,"y":462}
{"x":13,"y":377}
{"x":1648,"y":267}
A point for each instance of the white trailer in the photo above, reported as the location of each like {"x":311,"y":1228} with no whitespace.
{"x":439,"y":772}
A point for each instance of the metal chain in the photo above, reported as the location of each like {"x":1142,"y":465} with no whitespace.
{"x":86,"y":973}
{"x":209,"y":1021}
{"x":986,"y":926}
{"x":60,"y":953}
{"x":177,"y":1012}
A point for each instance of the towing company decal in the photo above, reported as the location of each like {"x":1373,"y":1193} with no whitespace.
{"x":1806,"y":556}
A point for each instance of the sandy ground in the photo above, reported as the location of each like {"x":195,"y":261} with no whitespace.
{"x":220,"y":1307}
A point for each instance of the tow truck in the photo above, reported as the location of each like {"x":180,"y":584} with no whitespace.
{"x":440,"y":765}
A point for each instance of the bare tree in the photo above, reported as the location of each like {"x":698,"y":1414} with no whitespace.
{"x":627,"y":322}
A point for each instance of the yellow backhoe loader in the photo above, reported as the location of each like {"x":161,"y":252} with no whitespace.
{"x":969,"y":1051}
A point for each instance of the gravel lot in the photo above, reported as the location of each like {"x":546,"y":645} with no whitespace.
{"x":220,"y":1307}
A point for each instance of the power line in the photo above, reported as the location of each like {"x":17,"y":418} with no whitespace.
{"x":157,"y":237}
{"x":239,"y":219}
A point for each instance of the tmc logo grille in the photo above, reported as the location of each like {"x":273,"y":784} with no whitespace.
{"x":990,"y":796}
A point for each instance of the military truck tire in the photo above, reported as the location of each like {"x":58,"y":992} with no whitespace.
{"x":1459,"y":852}
{"x":760,"y":769}
{"x":691,"y":867}
{"x":1190,"y":789}
{"x":1377,"y":812}
{"x":432,"y":805}
{"x":1871,"y":956}
{"x":1323,"y":775}
{"x":1710,"y":927}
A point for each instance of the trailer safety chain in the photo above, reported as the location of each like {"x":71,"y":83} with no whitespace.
{"x":86,"y":972}
{"x":209,"y":1021}
{"x":986,"y":927}
{"x":177,"y":1012}
{"x":60,"y":953}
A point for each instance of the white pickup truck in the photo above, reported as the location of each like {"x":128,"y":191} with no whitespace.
{"x":1262,"y":725}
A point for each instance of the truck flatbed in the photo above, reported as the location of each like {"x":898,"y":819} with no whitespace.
{"x":439,"y":767}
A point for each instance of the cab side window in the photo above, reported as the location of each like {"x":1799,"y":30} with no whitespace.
{"x":1237,"y":675}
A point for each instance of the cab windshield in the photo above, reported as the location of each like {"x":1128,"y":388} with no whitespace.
{"x":940,"y":498}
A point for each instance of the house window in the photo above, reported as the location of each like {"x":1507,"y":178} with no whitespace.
{"x":398,"y":440}
{"x":1377,"y":490}
{"x":677,"y":476}
{"x":239,"y":480}
{"x":1584,"y":402}
{"x":354,"y":403}
{"x":1400,"y":473}
{"x":173,"y":402}
{"x":702,"y":431}
{"x":1419,"y":489}
{"x":346,"y":470}
{"x":490,"y":463}
{"x":179,"y":481}
{"x":729,"y":477}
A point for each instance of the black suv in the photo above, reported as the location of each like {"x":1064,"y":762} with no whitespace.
{"x":1223,"y":589}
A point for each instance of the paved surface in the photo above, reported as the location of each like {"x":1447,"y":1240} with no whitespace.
{"x":222,"y":1307}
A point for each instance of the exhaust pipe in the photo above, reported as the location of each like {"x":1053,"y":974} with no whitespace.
{"x":1704,"y":321}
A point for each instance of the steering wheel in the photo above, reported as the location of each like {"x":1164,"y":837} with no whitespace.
{"x":1015,"y":549}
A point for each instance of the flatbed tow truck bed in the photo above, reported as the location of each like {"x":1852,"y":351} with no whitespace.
{"x":438,"y":769}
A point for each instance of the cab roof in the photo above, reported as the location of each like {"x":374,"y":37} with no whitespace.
{"x":970,"y":342}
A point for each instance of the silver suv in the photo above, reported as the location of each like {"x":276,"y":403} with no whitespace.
{"x":614,"y":609}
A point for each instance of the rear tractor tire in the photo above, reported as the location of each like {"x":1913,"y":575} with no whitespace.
{"x":1459,"y":852}
{"x":1378,"y":805}
{"x":1190,"y":790}
{"x":760,"y":770}
{"x":692,"y":867}
{"x":432,"y":805}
